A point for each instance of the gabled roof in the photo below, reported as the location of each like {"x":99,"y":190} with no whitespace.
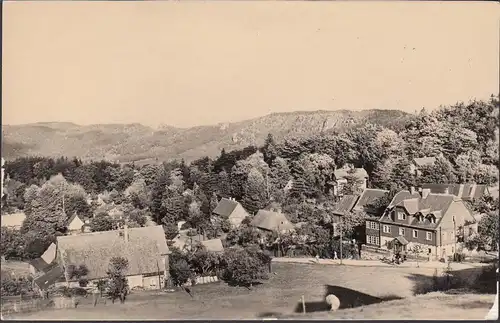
{"x":54,"y":275}
{"x":144,"y":250}
{"x":271,"y":221}
{"x":424,"y":161}
{"x":369,"y":196}
{"x":73,"y":217}
{"x":213,"y":245}
{"x":401,"y":240}
{"x":464,"y":191}
{"x":434,"y":204}
{"x":13,"y":220}
{"x":225,"y":207}
{"x":403,"y":195}
{"x":345,"y":204}
{"x":359,"y":173}
{"x":39,"y":264}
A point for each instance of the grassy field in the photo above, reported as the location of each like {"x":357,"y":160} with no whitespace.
{"x":280,"y":296}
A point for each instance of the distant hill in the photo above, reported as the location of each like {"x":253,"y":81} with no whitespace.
{"x":136,"y":142}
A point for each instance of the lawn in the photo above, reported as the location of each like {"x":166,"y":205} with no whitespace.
{"x":279,"y":296}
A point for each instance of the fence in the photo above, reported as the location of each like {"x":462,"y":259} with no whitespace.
{"x":23,"y":304}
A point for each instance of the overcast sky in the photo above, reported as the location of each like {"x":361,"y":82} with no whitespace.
{"x":192,"y":63}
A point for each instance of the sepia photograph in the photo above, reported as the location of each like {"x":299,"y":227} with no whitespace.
{"x":250,"y":160}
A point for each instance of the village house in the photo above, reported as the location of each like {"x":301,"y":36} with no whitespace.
{"x":342,"y":175}
{"x":145,"y":249}
{"x":417,"y":164}
{"x":44,"y":263}
{"x":367,"y":199}
{"x":53,"y":277}
{"x":13,"y":221}
{"x":426,"y":219}
{"x":75,"y":224}
{"x":232,"y":210}
{"x":272,"y":221}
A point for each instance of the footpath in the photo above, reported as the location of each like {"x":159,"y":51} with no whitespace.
{"x":378,"y":263}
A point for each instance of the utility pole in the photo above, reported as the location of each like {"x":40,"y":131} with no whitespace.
{"x":341,"y":241}
{"x":454,"y":237}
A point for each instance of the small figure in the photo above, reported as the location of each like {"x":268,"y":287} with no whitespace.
{"x":335,"y":255}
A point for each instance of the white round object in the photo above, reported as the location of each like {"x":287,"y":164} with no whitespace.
{"x":333,"y":301}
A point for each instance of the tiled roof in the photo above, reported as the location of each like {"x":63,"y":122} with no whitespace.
{"x":272,"y":221}
{"x":144,"y":250}
{"x":424,"y":161}
{"x":345,"y":204}
{"x":54,"y":275}
{"x":434,"y":204}
{"x":13,"y":220}
{"x":225,"y":207}
{"x":464,"y":191}
{"x":369,"y":196}
{"x":359,"y":173}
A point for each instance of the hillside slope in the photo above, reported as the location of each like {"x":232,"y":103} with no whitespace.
{"x":136,"y":142}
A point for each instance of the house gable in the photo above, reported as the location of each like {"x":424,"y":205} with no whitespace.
{"x":237,"y":216}
{"x":75,"y":223}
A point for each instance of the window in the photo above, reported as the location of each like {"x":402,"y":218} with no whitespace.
{"x":374,"y":225}
{"x":401,"y":216}
{"x":386,"y":229}
{"x":401,"y":231}
{"x":373,"y":240}
{"x":428,"y":235}
{"x":415,"y":233}
{"x":368,"y":224}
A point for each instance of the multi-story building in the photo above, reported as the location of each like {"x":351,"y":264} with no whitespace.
{"x":426,"y":219}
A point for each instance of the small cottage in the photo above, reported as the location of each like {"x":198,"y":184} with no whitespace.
{"x":75,"y":224}
{"x":272,"y":221}
{"x":145,"y":249}
{"x":232,"y":210}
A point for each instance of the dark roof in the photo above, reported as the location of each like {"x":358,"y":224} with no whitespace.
{"x":39,"y":264}
{"x":345,"y":204}
{"x":271,"y":221}
{"x":225,"y":207}
{"x":369,"y":196}
{"x":433,"y":205}
{"x":401,"y":196}
{"x":464,"y":191}
{"x":48,"y":279}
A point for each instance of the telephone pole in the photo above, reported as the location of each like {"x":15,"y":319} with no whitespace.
{"x":341,"y":240}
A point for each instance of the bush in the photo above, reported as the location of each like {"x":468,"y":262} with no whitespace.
{"x":69,"y":291}
{"x":12,"y":287}
{"x":180,"y":271}
{"x":244,"y":267}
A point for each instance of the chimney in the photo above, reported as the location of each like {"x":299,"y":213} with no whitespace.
{"x":125,"y":232}
{"x":412,"y":190}
{"x":425,"y":192}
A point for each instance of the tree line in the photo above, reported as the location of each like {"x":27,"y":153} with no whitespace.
{"x":464,"y":138}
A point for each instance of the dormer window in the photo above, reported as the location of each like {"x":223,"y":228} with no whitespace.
{"x":431,"y":218}
{"x":401,"y":215}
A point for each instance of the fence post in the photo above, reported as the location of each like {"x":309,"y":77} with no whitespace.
{"x":303,"y":304}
